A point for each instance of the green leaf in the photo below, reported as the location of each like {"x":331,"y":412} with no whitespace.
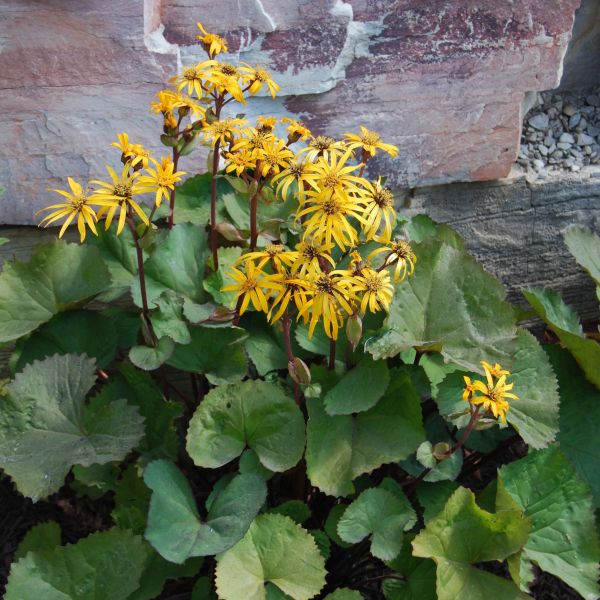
{"x":433,"y":497}
{"x":168,"y":319}
{"x":203,"y":590}
{"x":565,"y":324}
{"x":219,"y":278}
{"x":160,"y":439}
{"x":418,"y":575}
{"x":584,"y":245}
{"x":79,"y":571}
{"x":249,"y":463}
{"x":535,"y":414}
{"x":177,"y":264}
{"x":450,"y":305}
{"x":132,"y":499}
{"x":443,"y":470}
{"x":43,"y":536}
{"x":277,"y":550}
{"x":94,"y":481}
{"x":192,"y":202}
{"x":463,"y":534}
{"x":149,"y":358}
{"x":263,"y":345}
{"x":331,"y":523}
{"x":225,"y":362}
{"x":73,"y":332}
{"x":59,"y":276}
{"x":174,"y":526}
{"x":119,"y":255}
{"x":382,"y":515}
{"x":47,"y":427}
{"x":359,"y":389}
{"x":563,"y":539}
{"x":344,"y":594}
{"x":340,"y":448}
{"x":296,"y":510}
{"x":579,"y":415}
{"x":156,"y":573}
{"x":256,"y":414}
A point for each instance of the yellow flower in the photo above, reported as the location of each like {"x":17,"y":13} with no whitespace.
{"x":213,"y":44}
{"x":369,"y":141}
{"x":274,"y":254}
{"x":493,"y":393}
{"x":191,"y":79}
{"x":222,"y":131}
{"x":496,"y":370}
{"x":328,"y":218}
{"x":160,"y":180}
{"x":298,"y":172}
{"x":294,"y":288}
{"x":331,"y":174}
{"x":253,"y":139}
{"x":331,"y":293}
{"x":167,"y":102}
{"x":77,"y":205}
{"x":310,"y":255}
{"x":251,"y":285}
{"x":256,"y":77}
{"x":240,"y":161}
{"x":379,"y":205}
{"x":469,"y":389}
{"x":377,"y":289}
{"x":226,"y":84}
{"x":274,"y":155}
{"x":266,"y":123}
{"x":296,"y":130}
{"x":399,"y":253}
{"x":323,"y":146}
{"x":118,"y":195}
{"x":124,"y":145}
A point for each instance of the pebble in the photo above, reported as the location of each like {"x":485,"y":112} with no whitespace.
{"x":562,"y":131}
{"x":584,"y":140}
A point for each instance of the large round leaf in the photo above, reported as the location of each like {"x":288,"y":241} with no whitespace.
{"x":276,"y":550}
{"x":252,"y":413}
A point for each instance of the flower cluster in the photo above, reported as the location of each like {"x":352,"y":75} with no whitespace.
{"x":491,"y":395}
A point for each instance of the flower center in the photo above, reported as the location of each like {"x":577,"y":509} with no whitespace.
{"x":383,"y":198}
{"x":249,"y":285}
{"x":77,"y":202}
{"x":401,"y":249}
{"x":310,"y":252}
{"x":261,"y":74}
{"x":331,"y":180}
{"x":324,"y":284}
{"x":322,"y":142}
{"x":122,"y":190}
{"x":370,"y":139}
{"x":190,"y":74}
{"x":273,"y":249}
{"x":228,"y":69}
{"x":331,"y":206}
{"x":373,"y":283}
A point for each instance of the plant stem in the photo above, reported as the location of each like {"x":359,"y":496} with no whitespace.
{"x":140,"y":263}
{"x":173,"y":191}
{"x":254,"y":220}
{"x":468,"y":430}
{"x":331,"y":364}
{"x":286,"y":324}
{"x":213,"y":207}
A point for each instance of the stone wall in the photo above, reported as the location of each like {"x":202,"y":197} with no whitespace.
{"x":444,"y":80}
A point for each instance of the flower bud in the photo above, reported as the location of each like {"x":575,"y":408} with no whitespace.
{"x":299,"y":371}
{"x":354,"y":330}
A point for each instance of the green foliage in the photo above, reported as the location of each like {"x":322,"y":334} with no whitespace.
{"x":381,"y":514}
{"x":276,"y":550}
{"x":174,"y":526}
{"x":47,"y":427}
{"x":563,"y":538}
{"x":342,"y":447}
{"x":256,"y":414}
{"x":44,"y":536}
{"x":450,"y":305}
{"x":463,"y":534}
{"x":584,"y":245}
{"x":58,"y":277}
{"x":565,"y":324}
{"x":79,"y":571}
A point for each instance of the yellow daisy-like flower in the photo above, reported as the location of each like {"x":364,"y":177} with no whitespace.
{"x":274,"y":254}
{"x":77,"y":205}
{"x":323,"y":146}
{"x":213,"y":44}
{"x":161,"y":180}
{"x":118,"y":195}
{"x":240,"y":161}
{"x":310,"y":255}
{"x":379,"y":206}
{"x":496,"y":370}
{"x":123,"y":144}
{"x":191,"y":79}
{"x":166,"y":103}
{"x":331,"y":293}
{"x":274,"y":156}
{"x":294,"y":288}
{"x":252,"y":284}
{"x":328,"y":215}
{"x":226,"y":84}
{"x":493,"y":393}
{"x":253,"y":139}
{"x":469,"y":389}
{"x":377,"y":290}
{"x":258,"y":76}
{"x":296,"y":130}
{"x":400,"y":254}
{"x":222,"y":131}
{"x":369,"y":142}
{"x":331,"y":173}
{"x":266,"y":123}
{"x":298,"y":172}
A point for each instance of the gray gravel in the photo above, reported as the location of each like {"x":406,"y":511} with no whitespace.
{"x":561,"y":132}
